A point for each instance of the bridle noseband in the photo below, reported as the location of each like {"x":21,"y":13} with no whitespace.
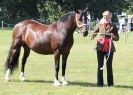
{"x":79,"y":26}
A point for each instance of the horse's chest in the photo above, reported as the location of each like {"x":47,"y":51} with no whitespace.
{"x":63,"y":40}
{"x":67,"y":44}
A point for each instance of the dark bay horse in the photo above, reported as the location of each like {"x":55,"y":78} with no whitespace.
{"x":56,"y":38}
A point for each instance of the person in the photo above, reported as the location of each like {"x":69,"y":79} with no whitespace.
{"x":97,"y":20}
{"x":89,"y":23}
{"x":130,"y":24}
{"x":122,"y":24}
{"x":108,"y":33}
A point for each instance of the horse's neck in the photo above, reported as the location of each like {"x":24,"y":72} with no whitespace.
{"x":72,"y":24}
{"x":69,"y":27}
{"x":64,"y":30}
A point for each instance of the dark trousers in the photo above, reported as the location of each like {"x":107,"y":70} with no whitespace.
{"x":100,"y":58}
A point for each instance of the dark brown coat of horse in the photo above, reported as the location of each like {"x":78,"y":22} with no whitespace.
{"x":56,"y":38}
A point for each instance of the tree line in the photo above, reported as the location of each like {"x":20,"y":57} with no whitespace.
{"x":51,"y":10}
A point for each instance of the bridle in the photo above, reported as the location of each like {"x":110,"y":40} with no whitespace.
{"x":78,"y":25}
{"x":83,"y":24}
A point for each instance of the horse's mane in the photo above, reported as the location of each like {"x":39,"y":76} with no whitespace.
{"x":66,"y":16}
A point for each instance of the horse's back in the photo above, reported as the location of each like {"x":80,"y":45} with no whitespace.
{"x":31,"y":24}
{"x":35,"y":35}
{"x":21,"y":28}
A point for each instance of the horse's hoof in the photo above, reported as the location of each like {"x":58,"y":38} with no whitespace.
{"x":22,"y":77}
{"x":64,"y":82}
{"x":7,"y":79}
{"x":57,"y":83}
{"x":7,"y":75}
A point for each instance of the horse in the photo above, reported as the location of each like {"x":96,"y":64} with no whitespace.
{"x":56,"y":38}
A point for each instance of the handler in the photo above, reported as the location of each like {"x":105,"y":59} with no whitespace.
{"x":108,"y":33}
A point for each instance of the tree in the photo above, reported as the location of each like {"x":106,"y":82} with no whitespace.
{"x":130,"y":7}
{"x":96,"y":7}
{"x":19,"y":8}
{"x":53,"y":9}
{"x":28,"y":8}
{"x":9,"y":8}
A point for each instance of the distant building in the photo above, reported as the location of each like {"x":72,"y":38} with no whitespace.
{"x":123,"y":20}
{"x":130,"y":22}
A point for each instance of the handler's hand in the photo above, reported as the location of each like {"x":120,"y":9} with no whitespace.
{"x":112,"y":35}
{"x":92,"y":36}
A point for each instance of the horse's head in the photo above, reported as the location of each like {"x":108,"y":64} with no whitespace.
{"x":81,"y":21}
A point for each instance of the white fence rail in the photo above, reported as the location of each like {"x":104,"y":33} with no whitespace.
{"x":3,"y":24}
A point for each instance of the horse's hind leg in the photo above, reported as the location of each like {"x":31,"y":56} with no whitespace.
{"x":24,"y":59}
{"x":13,"y":57}
{"x":64,"y":61}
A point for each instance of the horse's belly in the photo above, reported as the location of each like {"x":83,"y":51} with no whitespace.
{"x":42,"y":49}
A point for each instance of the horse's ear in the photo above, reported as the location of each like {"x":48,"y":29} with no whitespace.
{"x":86,"y":9}
{"x":77,"y":11}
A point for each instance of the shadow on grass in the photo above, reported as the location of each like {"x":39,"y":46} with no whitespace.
{"x":124,"y":86}
{"x":39,"y":81}
{"x":85,"y":84}
{"x":33,"y":81}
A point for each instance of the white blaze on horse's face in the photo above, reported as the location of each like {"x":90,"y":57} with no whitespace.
{"x":81,"y":22}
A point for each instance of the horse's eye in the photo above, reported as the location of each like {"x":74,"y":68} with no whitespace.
{"x":81,"y":18}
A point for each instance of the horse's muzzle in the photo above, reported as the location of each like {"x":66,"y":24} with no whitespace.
{"x":85,"y":33}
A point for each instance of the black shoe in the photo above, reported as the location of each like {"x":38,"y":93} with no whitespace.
{"x":99,"y":85}
{"x":110,"y":85}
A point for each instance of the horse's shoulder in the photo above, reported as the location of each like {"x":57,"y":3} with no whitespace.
{"x":53,"y":25}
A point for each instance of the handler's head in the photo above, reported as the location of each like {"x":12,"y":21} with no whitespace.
{"x":107,"y":15}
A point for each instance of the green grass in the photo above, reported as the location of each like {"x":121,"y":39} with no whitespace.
{"x":81,"y":70}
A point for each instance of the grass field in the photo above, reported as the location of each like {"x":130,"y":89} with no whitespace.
{"x":81,"y":70}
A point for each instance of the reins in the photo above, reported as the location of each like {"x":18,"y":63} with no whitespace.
{"x":110,"y":45}
{"x":79,"y":26}
{"x":108,"y":54}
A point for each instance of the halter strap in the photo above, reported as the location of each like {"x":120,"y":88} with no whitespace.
{"x":108,"y":54}
{"x":79,"y":26}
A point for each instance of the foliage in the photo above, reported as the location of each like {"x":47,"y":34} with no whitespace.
{"x":54,"y":10}
{"x":19,"y":8}
{"x":51,"y":10}
{"x":130,"y":7}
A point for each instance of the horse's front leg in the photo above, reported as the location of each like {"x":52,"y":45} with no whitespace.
{"x":57,"y":66}
{"x":64,"y":61}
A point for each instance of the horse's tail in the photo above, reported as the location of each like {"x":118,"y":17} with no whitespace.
{"x":13,"y":58}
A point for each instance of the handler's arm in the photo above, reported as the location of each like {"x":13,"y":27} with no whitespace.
{"x":94,"y":34}
{"x":115,"y":34}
